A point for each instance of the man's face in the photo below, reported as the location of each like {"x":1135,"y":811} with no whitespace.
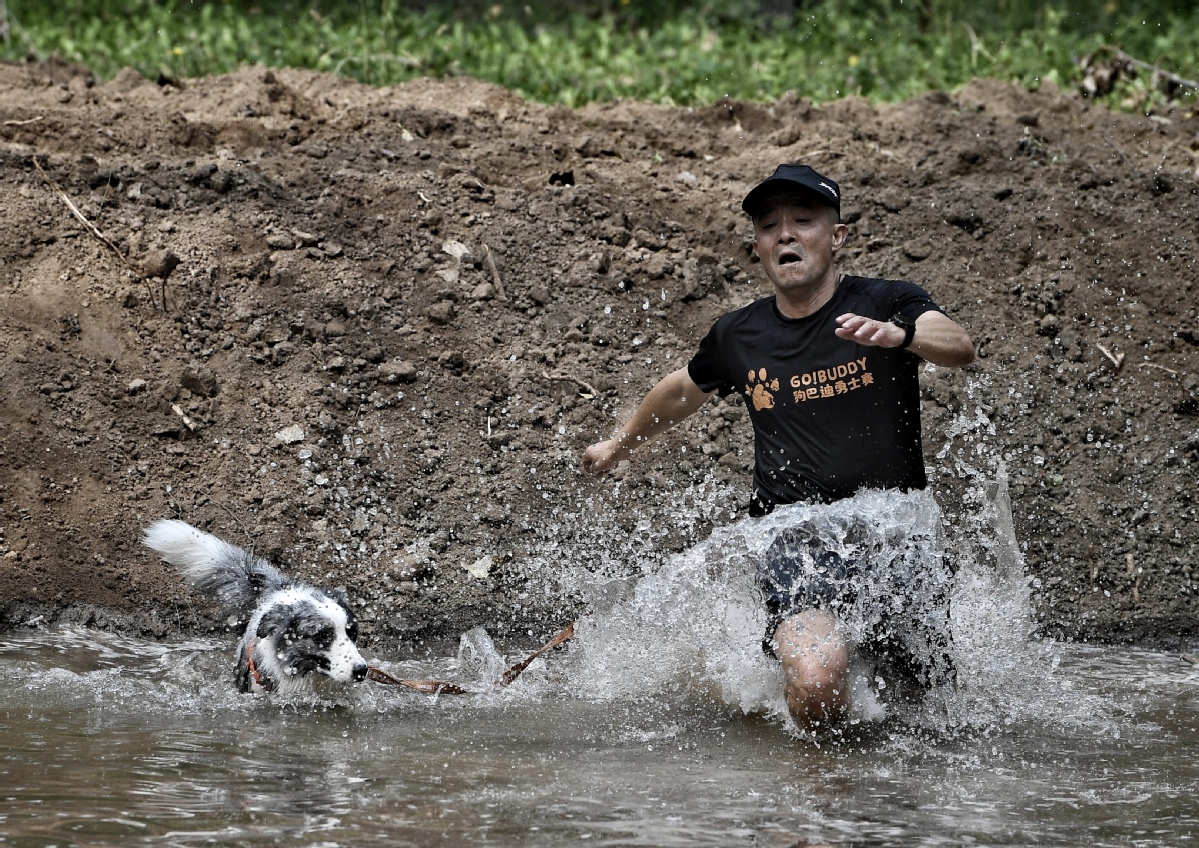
{"x":796,"y":238}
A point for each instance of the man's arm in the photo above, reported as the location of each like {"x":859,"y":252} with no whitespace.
{"x":674,"y":398}
{"x":938,"y":339}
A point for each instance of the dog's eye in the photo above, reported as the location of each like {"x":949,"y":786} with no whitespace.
{"x":352,"y":631}
{"x":324,"y":636}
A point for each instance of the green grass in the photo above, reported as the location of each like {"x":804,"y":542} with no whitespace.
{"x":671,"y":52}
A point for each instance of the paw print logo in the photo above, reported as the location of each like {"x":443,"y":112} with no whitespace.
{"x":761,"y":389}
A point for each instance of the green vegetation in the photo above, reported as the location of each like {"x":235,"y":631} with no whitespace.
{"x":685,"y":53}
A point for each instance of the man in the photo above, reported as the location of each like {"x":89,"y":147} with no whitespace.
{"x":828,"y":367}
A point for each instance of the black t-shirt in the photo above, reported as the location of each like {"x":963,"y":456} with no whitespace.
{"x":830,"y":416}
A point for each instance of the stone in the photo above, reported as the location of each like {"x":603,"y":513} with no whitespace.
{"x":290,"y":434}
{"x":159,"y":263}
{"x":200,"y":381}
{"x":397,"y":372}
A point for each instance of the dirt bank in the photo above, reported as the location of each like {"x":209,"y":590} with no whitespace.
{"x":394,"y":317}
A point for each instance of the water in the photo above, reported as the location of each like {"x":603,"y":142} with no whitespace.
{"x":660,"y":724}
{"x":110,"y":741}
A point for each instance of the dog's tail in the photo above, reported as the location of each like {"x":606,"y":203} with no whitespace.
{"x":235,"y":577}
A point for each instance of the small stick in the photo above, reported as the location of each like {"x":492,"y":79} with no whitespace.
{"x":429,"y":687}
{"x":442,"y":687}
{"x":1116,"y":359}
{"x":511,"y":674}
{"x":1193,"y":660}
{"x":1145,"y":66}
{"x":587,"y":387}
{"x":1159,"y":367}
{"x":7,"y":22}
{"x":22,"y":123}
{"x":94,"y":231}
{"x":237,"y":521}
{"x":495,"y":273}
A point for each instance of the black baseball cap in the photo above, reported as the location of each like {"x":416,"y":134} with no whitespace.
{"x":793,"y":176}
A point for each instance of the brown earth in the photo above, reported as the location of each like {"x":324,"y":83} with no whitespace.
{"x":394,"y":317}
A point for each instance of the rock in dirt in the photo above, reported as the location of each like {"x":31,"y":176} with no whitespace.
{"x":290,"y":434}
{"x":159,"y":263}
{"x":200,"y":380}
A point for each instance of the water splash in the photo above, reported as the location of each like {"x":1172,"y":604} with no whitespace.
{"x":693,"y":622}
{"x":698,"y":622}
{"x":479,"y":660}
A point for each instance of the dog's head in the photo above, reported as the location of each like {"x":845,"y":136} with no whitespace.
{"x":301,"y":633}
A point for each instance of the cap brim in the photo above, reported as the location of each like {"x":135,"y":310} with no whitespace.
{"x":761,"y":193}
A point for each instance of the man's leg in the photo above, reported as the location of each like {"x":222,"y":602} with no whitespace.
{"x":815,"y":660}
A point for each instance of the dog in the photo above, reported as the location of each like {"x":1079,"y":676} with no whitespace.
{"x":297,"y":638}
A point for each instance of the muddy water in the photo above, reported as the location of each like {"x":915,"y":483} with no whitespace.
{"x":660,"y":724}
{"x":115,"y":742}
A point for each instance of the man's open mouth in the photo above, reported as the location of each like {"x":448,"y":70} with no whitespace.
{"x":788,"y":258}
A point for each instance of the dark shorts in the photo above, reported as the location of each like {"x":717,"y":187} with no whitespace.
{"x":897,"y":611}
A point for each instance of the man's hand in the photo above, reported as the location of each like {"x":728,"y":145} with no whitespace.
{"x":869,"y":331}
{"x":602,"y":457}
{"x":672,"y":399}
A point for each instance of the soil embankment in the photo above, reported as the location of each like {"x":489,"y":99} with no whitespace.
{"x":394,"y":317}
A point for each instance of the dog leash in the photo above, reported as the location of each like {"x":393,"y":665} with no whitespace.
{"x":442,"y":687}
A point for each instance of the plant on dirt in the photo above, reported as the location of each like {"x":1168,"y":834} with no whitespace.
{"x":668,"y":51}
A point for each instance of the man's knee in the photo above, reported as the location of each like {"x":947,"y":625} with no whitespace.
{"x":815,"y":658}
{"x":812,"y":633}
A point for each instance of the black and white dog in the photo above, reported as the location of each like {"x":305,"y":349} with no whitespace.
{"x":296,"y":636}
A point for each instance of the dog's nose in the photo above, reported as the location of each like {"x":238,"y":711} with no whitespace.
{"x":359,"y":672}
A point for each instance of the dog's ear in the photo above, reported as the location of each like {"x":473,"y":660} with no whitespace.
{"x":245,"y":680}
{"x":274,"y":621}
{"x":351,"y":622}
{"x":257,"y":580}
